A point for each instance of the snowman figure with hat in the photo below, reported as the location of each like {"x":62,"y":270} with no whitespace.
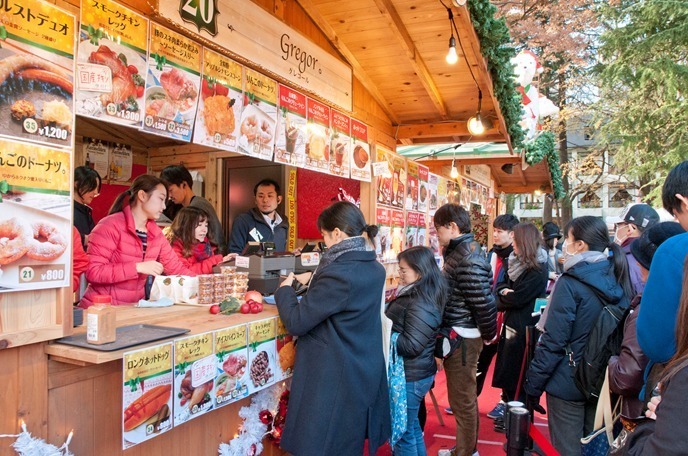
{"x":535,"y":106}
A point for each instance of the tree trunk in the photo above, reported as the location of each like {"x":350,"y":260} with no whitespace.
{"x":566,"y":206}
{"x":547,"y":210}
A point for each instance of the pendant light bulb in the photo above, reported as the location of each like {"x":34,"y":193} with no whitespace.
{"x":454,"y":173}
{"x":475,"y":125}
{"x":452,"y":57}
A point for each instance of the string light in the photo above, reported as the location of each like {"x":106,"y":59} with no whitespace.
{"x":452,"y":57}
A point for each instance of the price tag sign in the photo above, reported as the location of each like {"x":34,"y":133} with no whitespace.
{"x":310,"y":258}
{"x":241,"y":262}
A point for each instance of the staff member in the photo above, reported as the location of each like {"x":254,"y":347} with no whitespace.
{"x":86,"y":187}
{"x":262,"y":223}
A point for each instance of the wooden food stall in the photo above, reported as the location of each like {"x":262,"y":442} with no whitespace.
{"x":317,"y":93}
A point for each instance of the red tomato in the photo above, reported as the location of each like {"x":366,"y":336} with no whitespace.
{"x":245,"y":308}
{"x":139,"y":91}
{"x":207,"y":89}
{"x":214,"y":309}
{"x":132,"y":69}
{"x":221,"y":89}
{"x":254,"y":308}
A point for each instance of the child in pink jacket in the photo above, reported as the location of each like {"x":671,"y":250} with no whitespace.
{"x":127,"y":247}
{"x":188,"y":235}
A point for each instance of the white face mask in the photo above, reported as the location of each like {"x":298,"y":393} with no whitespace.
{"x":565,"y":252}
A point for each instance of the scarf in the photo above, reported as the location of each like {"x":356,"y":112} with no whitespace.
{"x":589,"y":256}
{"x":201,"y":251}
{"x":503,"y":252}
{"x":352,"y":244}
{"x":517,"y":267}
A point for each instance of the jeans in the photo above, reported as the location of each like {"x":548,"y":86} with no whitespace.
{"x":411,"y":442}
{"x":569,"y":421}
{"x":460,"y":370}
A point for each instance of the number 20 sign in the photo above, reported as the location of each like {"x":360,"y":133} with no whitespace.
{"x":202,"y":13}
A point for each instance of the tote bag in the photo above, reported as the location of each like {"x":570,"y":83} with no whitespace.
{"x":600,"y":440}
{"x":396,"y":379}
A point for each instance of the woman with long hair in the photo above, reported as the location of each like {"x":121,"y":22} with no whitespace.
{"x":86,"y":187}
{"x":416,"y":314}
{"x":339,"y":394}
{"x":193,"y":243}
{"x":666,"y":436}
{"x":127,"y":247}
{"x":526,"y":281}
{"x":591,"y":279}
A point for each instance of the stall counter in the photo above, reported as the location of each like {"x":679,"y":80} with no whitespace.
{"x":195,"y":318}
{"x":85,"y":392}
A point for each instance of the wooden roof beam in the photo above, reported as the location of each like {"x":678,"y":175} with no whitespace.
{"x":399,"y":30}
{"x":358,"y":70}
{"x":442,"y":129}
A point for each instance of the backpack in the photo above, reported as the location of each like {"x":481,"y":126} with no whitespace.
{"x":604,"y":341}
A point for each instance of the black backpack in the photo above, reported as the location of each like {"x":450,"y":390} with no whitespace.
{"x":604,"y":341}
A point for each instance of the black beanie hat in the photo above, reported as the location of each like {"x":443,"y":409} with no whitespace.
{"x":644,"y":247}
{"x":550,"y":230}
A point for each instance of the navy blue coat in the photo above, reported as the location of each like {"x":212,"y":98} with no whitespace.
{"x":339,"y":390}
{"x":247,"y":221}
{"x":577,"y":300}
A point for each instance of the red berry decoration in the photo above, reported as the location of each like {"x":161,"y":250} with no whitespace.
{"x":214,"y":309}
{"x":265,"y":417}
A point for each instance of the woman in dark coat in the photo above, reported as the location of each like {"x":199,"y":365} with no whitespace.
{"x":416,"y":314}
{"x":526,"y":281}
{"x":339,"y":391}
{"x":591,"y":280}
{"x":86,"y":188}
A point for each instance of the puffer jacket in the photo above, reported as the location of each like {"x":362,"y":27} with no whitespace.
{"x":626,"y":371}
{"x":253,"y":219}
{"x":576,"y":302}
{"x":417,"y":322}
{"x":114,"y":249}
{"x":199,"y":267}
{"x":469,"y":278}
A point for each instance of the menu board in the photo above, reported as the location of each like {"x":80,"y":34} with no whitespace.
{"x":261,"y":354}
{"x":423,"y":193}
{"x":391,"y":185}
{"x":120,"y":163}
{"x":422,"y":233}
{"x":146,"y":394}
{"x":340,"y":143}
{"x":221,"y":103}
{"x":35,"y":217}
{"x":290,"y":142}
{"x":231,"y":356}
{"x":411,"y":203}
{"x":397,"y":243}
{"x":194,"y":375}
{"x":112,"y":63}
{"x":433,"y":240}
{"x":412,"y":221}
{"x":433,"y":181}
{"x":172,"y":85}
{"x":96,"y":154}
{"x":37,"y":68}
{"x":318,"y":139}
{"x":259,"y":116}
{"x":286,"y":352}
{"x":383,"y":241}
{"x":360,"y":152}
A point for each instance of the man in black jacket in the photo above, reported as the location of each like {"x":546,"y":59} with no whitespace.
{"x":469,"y":319}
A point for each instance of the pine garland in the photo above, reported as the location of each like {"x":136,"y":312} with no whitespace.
{"x":495,"y":45}
{"x":543,"y":147}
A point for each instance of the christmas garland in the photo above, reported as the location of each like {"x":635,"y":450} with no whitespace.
{"x":543,"y":147}
{"x":495,"y":45}
{"x":264,"y":417}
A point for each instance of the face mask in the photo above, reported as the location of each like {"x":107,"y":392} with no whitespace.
{"x":619,"y":240}
{"x":565,"y":252}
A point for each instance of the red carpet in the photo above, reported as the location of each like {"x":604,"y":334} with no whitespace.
{"x":490,"y":443}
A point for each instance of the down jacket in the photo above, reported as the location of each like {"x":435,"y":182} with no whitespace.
{"x":577,"y":300}
{"x":251,"y":220}
{"x":469,"y":278}
{"x":114,"y":249}
{"x":417,"y":322}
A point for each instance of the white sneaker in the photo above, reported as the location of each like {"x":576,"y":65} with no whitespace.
{"x":444,"y":452}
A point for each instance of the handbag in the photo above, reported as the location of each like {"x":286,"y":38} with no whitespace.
{"x":396,"y":379}
{"x":599,"y":441}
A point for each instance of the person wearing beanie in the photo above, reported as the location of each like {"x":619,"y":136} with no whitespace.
{"x":635,"y":219}
{"x":626,"y":371}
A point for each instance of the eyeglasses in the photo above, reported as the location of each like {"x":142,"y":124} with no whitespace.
{"x":620,"y":225}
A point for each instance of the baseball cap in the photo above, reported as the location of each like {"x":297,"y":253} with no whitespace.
{"x":643,"y":248}
{"x":641,"y":215}
{"x":550,"y":230}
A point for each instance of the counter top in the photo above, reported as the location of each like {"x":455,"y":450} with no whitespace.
{"x":197,"y":319}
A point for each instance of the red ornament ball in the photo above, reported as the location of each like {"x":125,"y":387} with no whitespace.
{"x":265,"y":417}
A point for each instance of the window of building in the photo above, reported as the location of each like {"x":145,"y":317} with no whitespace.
{"x":530,"y":202}
{"x":589,"y":200}
{"x":619,"y":196}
